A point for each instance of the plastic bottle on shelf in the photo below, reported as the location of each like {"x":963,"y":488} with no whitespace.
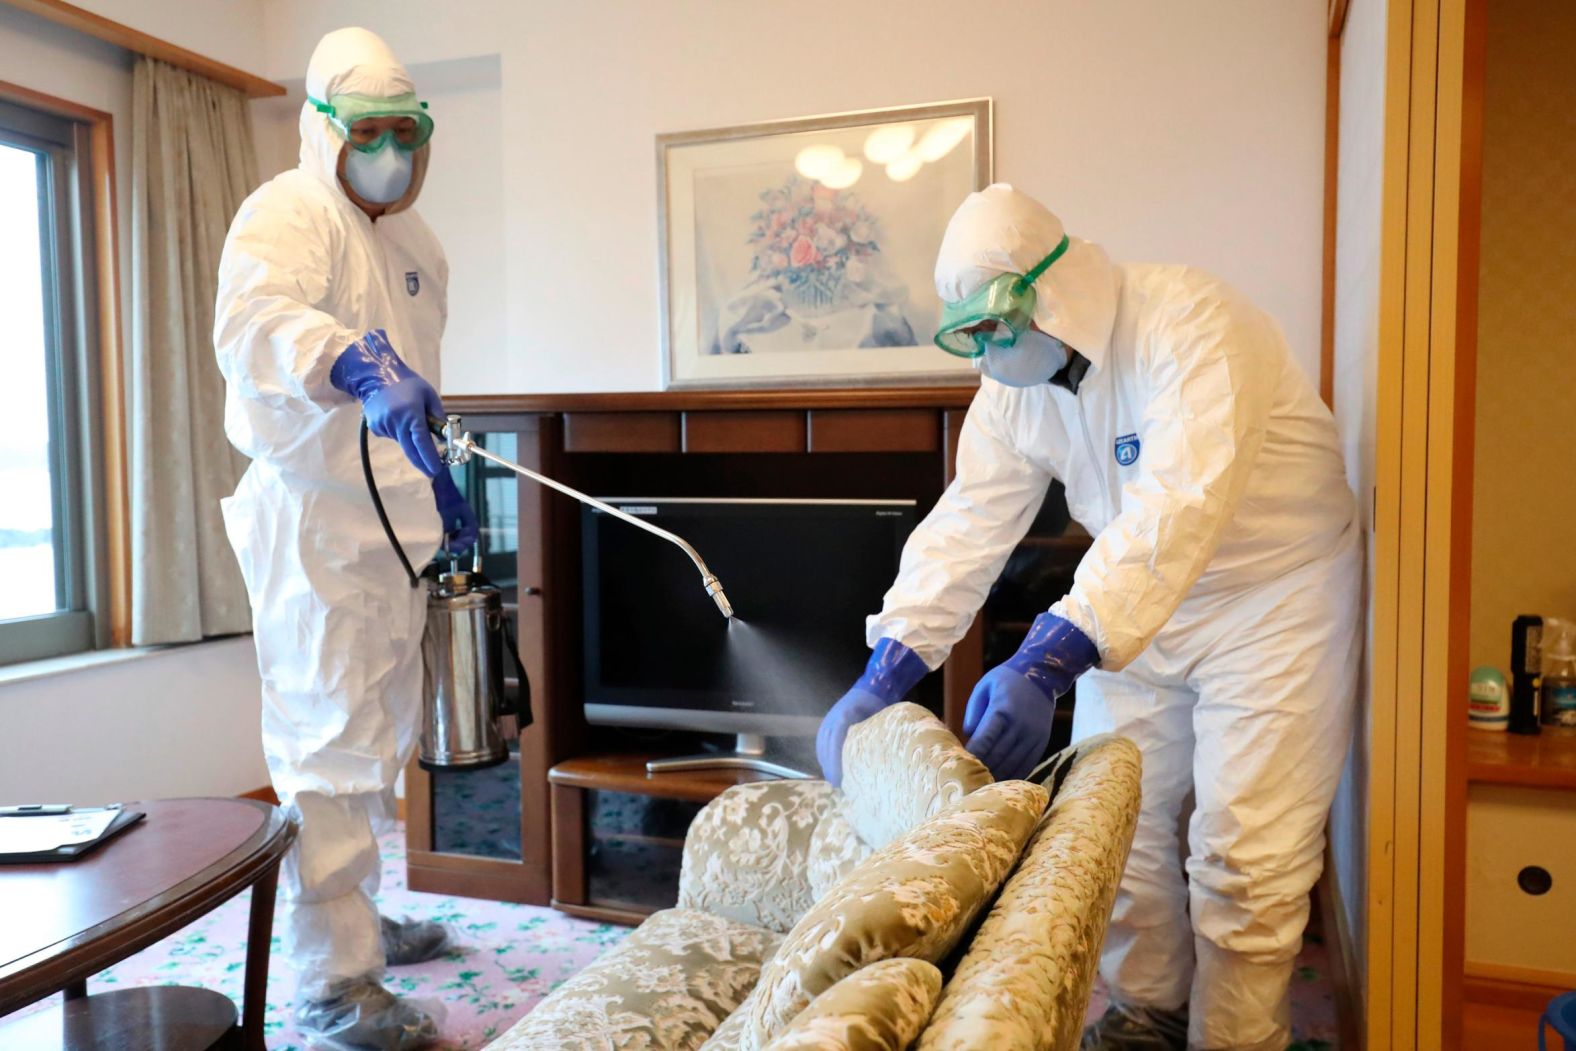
{"x":1558,"y":703}
{"x":1489,"y":700}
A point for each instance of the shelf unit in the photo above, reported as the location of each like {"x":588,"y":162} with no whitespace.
{"x":1545,"y":760}
{"x":1500,"y":998}
{"x":626,"y":772}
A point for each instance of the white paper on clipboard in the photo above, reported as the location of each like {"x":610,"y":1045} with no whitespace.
{"x":25,"y":835}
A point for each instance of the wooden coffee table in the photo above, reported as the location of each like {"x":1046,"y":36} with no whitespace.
{"x":64,"y":921}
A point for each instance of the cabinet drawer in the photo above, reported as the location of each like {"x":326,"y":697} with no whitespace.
{"x":1521,"y":880}
{"x":745,"y":432}
{"x":621,"y":432}
{"x":874,"y":431}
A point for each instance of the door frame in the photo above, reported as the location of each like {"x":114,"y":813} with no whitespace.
{"x":1423,"y":522}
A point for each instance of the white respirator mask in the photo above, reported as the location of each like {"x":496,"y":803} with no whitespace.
{"x":1032,"y":359}
{"x":382,"y":176}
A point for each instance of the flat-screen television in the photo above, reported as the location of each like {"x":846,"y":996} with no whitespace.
{"x":802,"y":576}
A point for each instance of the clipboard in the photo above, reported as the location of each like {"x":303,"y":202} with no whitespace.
{"x":124,"y":820}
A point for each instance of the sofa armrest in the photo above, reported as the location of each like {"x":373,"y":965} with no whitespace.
{"x":746,"y":856}
{"x":1023,"y":984}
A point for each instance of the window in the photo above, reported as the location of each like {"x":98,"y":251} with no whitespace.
{"x":48,"y":591}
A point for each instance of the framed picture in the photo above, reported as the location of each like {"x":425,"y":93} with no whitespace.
{"x":800,"y":252}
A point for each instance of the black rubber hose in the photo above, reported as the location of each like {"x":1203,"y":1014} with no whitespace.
{"x":377,"y":502}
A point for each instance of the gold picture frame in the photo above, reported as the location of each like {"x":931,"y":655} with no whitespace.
{"x":798,"y":252}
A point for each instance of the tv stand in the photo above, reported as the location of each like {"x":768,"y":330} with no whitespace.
{"x":577,"y":847}
{"x":749,"y":753}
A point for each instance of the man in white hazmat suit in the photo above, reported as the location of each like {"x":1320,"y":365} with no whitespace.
{"x":332,"y":301}
{"x":1214,"y":620}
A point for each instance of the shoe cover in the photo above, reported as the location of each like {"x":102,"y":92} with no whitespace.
{"x":410,"y":941}
{"x":361,"y":1015}
{"x":1137,"y":1029}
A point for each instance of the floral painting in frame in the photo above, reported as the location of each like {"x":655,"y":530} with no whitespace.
{"x":800,"y":252}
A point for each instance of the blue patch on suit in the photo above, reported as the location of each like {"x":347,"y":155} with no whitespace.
{"x":412,"y":282}
{"x":1127,"y":449}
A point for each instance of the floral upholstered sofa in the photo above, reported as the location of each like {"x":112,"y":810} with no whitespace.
{"x":920,"y":905}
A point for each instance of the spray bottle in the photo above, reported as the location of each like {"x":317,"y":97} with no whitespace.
{"x":1557,"y":706}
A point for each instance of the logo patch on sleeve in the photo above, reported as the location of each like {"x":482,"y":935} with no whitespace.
{"x":412,"y":282}
{"x":1127,"y":449}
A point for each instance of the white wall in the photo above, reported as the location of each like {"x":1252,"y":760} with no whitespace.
{"x":176,"y":722}
{"x":464,"y":198}
{"x":230,"y":31}
{"x":1358,"y":200}
{"x":1169,"y":132}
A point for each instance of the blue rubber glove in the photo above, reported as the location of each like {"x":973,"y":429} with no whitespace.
{"x":892,"y":671}
{"x":460,"y":528}
{"x":1008,"y":718}
{"x":397,"y":402}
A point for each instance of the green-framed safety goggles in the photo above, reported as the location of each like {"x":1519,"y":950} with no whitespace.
{"x":343,"y":111}
{"x":996,"y":315}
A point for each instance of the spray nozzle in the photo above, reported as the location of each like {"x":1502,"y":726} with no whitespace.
{"x":714,"y":589}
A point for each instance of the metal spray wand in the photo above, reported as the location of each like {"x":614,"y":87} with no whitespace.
{"x":458,"y":448}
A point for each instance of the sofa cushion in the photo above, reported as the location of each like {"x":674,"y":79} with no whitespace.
{"x":902,"y":766}
{"x":881,"y":1007}
{"x":914,"y":897}
{"x":1023,"y":983}
{"x":835,"y":851}
{"x":745,"y":853}
{"x":664,"y":988}
{"x":735,"y":1029}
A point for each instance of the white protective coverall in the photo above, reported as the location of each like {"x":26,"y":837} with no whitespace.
{"x":337,"y":625}
{"x":1222,"y":591}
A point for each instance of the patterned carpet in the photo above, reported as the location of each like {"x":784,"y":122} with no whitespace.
{"x":511,"y":957}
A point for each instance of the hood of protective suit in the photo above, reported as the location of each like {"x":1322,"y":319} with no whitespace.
{"x":1001,"y":230}
{"x":352,"y":61}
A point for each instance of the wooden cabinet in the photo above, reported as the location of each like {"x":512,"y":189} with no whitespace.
{"x":1520,"y":859}
{"x":486,"y":833}
{"x":493,"y":833}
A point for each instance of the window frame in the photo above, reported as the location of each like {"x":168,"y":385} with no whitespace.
{"x":70,"y":289}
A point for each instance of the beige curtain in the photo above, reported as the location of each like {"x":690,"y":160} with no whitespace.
{"x":193,"y":162}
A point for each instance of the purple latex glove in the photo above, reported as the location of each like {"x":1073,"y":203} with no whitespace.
{"x":460,"y":529}
{"x":395,"y":400}
{"x":892,"y":671}
{"x":1008,"y":718}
